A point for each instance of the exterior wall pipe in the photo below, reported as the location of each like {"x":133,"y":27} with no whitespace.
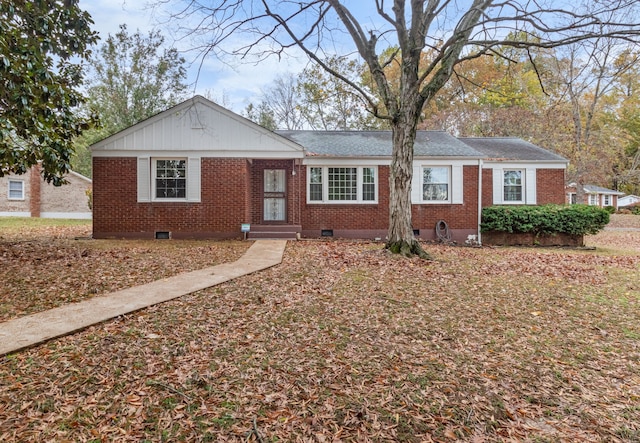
{"x":480,"y":164}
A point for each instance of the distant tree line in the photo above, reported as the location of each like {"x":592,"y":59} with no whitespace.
{"x":581,"y":101}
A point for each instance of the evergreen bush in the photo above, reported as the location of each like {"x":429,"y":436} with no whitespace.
{"x":545,"y":219}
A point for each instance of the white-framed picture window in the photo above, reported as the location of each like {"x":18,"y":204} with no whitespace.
{"x":607,"y":200}
{"x":16,"y":190}
{"x":593,"y":200}
{"x":513,"y":186}
{"x":436,"y":183}
{"x":342,"y":184}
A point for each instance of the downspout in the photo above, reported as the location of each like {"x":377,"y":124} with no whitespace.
{"x":480,"y":164}
{"x":301,"y":190}
{"x":295,"y":171}
{"x":297,"y":164}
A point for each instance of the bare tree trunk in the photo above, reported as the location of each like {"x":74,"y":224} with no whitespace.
{"x":400,"y":238}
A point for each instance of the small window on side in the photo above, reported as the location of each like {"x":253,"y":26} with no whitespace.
{"x":16,"y":190}
{"x":513,"y":185}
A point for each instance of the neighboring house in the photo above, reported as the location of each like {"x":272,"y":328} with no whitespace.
{"x":593,"y":196}
{"x":198,"y":170}
{"x":29,"y":195}
{"x":628,"y":200}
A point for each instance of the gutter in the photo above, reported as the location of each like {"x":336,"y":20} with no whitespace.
{"x":480,"y":164}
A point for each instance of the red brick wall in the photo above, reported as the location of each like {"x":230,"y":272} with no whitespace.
{"x":232,"y":193}
{"x":487,"y":187}
{"x":367,"y":220}
{"x":550,"y":186}
{"x":117,"y":213}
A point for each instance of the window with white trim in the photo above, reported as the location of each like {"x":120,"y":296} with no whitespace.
{"x":170,"y":179}
{"x":339,"y":184}
{"x":436,"y":182}
{"x":606,"y":200}
{"x":513,"y":185}
{"x":16,"y":190}
{"x":315,"y":184}
{"x":368,"y":184}
{"x":593,"y":200}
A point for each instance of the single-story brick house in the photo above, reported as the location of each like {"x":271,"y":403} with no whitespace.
{"x":198,"y":170}
{"x":29,"y":195}
{"x":628,"y":200}
{"x":593,"y":196}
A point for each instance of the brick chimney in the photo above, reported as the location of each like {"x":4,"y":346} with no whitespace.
{"x":35,"y":190}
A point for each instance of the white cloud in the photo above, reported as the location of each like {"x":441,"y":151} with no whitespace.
{"x":108,"y":15}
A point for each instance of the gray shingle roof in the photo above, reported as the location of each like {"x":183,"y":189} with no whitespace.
{"x":377,"y":144}
{"x":510,"y":148}
{"x":593,"y":189}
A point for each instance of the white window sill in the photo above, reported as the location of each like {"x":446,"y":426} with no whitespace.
{"x":341,"y":202}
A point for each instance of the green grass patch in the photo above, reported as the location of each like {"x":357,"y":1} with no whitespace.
{"x":19,"y":223}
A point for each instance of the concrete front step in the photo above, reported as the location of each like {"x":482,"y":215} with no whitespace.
{"x":272,"y":235}
{"x":287,"y":232}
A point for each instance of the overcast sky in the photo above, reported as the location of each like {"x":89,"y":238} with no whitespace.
{"x":239,"y":84}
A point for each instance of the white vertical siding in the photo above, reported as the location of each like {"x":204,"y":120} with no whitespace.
{"x":497,"y":186}
{"x":457,"y":183}
{"x":416,"y":184}
{"x":530,"y":186}
{"x":144,"y":179}
{"x":193,"y":180}
{"x":200,"y":126}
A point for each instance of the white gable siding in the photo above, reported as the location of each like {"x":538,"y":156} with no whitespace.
{"x":198,"y":126}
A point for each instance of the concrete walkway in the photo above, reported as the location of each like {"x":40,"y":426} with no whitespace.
{"x":33,"y":329}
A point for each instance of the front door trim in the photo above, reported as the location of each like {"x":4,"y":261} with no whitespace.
{"x":274,"y":198}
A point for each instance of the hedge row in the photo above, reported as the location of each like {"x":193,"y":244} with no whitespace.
{"x":546,"y":219}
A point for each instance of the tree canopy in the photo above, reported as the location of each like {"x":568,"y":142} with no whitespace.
{"x":131,"y":77}
{"x":134,"y":76}
{"x":42,"y":47}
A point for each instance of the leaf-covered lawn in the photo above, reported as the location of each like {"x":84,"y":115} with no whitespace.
{"x":345,"y":343}
{"x":47,"y":266}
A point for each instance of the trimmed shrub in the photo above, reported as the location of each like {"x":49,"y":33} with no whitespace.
{"x":546,"y":219}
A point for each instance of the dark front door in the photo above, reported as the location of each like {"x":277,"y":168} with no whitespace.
{"x":275,"y":198}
